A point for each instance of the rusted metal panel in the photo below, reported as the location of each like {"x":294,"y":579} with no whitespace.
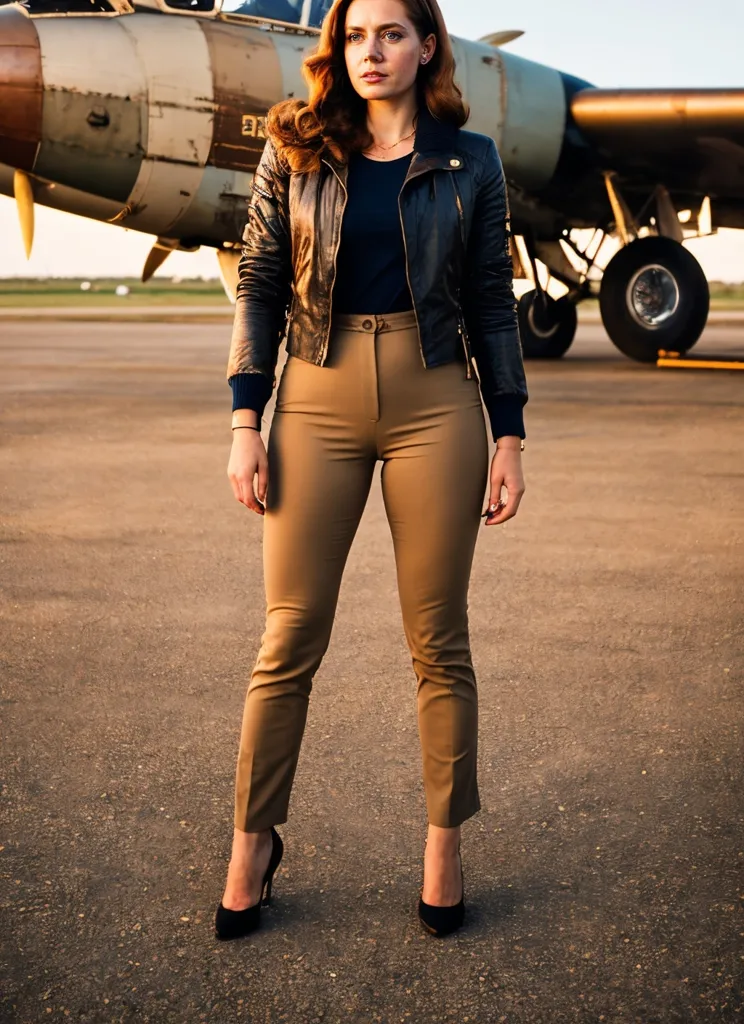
{"x":95,"y":112}
{"x":175,"y":62}
{"x":247,"y":81}
{"x":104,"y":160}
{"x":292,"y":49}
{"x":21,"y":90}
{"x":480,"y":75}
{"x":220,"y":206}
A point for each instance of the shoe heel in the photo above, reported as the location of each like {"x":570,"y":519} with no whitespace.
{"x":277,"y":850}
{"x":441,"y":921}
{"x":232,"y":924}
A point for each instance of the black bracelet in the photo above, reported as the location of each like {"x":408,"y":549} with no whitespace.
{"x":246,"y":426}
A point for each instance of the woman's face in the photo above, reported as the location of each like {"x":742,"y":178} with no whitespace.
{"x":383,"y":50}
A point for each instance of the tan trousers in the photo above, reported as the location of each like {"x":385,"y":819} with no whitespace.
{"x":374,"y":399}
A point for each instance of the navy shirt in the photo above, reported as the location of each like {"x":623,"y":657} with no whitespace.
{"x":371,"y":262}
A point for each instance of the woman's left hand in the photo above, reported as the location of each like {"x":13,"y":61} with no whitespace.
{"x":506,"y":471}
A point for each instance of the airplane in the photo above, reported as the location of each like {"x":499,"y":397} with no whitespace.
{"x":150,"y":114}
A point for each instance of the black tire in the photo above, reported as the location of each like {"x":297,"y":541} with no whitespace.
{"x":547,"y":331}
{"x":670,"y":313}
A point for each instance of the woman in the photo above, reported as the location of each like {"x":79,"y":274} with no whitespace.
{"x":383,"y":226}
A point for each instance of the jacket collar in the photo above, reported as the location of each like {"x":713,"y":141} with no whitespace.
{"x":434,"y":146}
{"x":434,"y":136}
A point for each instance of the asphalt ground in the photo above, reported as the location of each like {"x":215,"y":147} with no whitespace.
{"x":603,"y":875}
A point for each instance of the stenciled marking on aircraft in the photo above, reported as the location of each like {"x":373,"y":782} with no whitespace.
{"x":254,"y":126}
{"x":247,"y":80}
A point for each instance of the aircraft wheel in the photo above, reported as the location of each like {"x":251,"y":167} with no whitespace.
{"x":546,"y":327}
{"x":654,"y":295}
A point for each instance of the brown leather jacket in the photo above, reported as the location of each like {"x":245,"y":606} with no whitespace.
{"x":455,"y":221}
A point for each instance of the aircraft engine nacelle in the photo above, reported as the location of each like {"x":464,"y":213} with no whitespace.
{"x":520,"y":104}
{"x":140,"y":120}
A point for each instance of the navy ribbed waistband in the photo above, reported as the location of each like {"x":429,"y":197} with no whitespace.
{"x":374,"y":323}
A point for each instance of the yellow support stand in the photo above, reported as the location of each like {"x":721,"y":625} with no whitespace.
{"x":674,"y":359}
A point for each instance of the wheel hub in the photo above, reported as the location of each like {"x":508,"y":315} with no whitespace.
{"x":652,"y":296}
{"x":540,"y":320}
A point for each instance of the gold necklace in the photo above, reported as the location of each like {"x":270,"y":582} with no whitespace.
{"x":379,"y":145}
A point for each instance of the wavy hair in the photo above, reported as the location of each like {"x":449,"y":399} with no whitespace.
{"x":333,"y":120}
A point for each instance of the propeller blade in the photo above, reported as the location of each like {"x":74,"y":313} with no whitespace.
{"x":24,"y":197}
{"x":227,"y":260}
{"x":705,"y":219}
{"x":155,"y":259}
{"x":501,"y":38}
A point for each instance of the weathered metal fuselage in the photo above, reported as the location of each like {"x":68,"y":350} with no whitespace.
{"x":156,"y":122}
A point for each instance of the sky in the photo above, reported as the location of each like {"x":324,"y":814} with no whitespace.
{"x":654,"y":43}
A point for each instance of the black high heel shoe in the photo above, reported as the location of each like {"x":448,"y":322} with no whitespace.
{"x":441,"y":921}
{"x":232,"y":924}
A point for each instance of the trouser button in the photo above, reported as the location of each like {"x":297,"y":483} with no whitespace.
{"x":367,"y":324}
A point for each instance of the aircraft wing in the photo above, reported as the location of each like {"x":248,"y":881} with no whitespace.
{"x":692,"y":140}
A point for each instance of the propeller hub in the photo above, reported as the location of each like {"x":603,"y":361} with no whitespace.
{"x":21,"y":90}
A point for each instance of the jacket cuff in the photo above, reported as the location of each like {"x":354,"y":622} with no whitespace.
{"x":506,"y":413}
{"x":250,"y":391}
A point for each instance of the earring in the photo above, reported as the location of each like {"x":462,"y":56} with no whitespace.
{"x":424,"y":59}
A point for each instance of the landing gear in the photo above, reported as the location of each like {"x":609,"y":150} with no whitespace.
{"x":653,"y":296}
{"x":546,"y":325}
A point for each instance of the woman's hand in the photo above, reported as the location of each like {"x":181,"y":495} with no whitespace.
{"x":248,"y":458}
{"x":506,"y":471}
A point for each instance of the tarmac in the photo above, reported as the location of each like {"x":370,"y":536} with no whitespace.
{"x":603,"y":874}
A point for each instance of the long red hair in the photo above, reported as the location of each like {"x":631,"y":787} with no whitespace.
{"x":334,"y":117}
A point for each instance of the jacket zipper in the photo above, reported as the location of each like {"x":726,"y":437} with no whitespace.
{"x":287,"y":327}
{"x":408,"y":276}
{"x":409,"y":177}
{"x":462,"y":331}
{"x":335,"y":257}
{"x":461,"y":320}
{"x":460,"y":213}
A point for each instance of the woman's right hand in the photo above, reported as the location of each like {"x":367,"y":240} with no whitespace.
{"x":248,"y":458}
